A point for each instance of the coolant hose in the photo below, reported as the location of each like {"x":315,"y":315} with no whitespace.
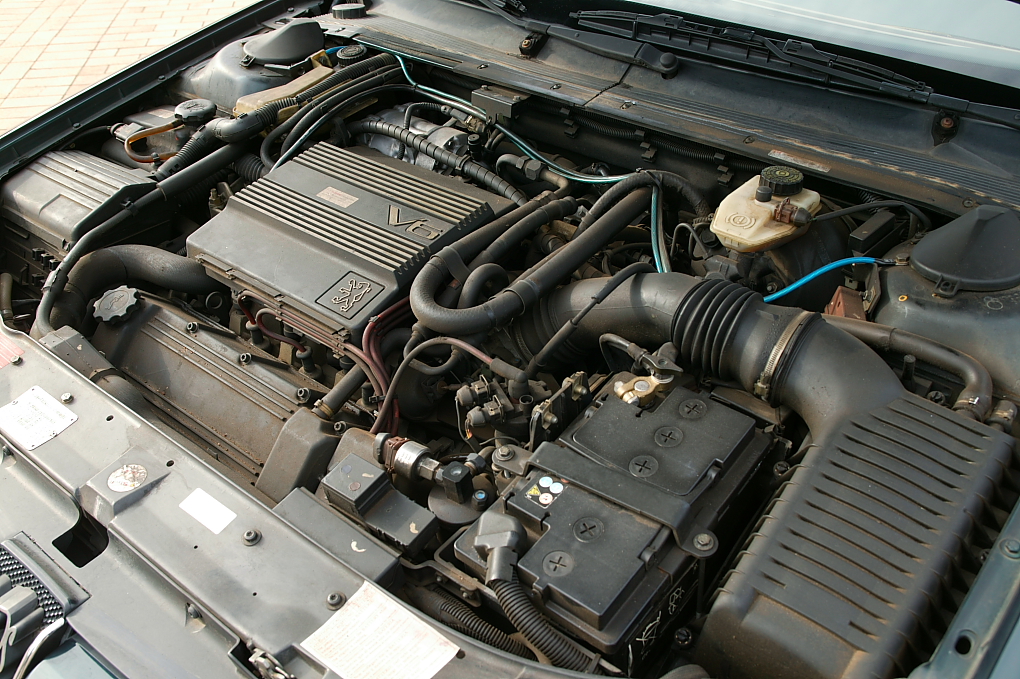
{"x":458,"y":615}
{"x":119,"y":264}
{"x":7,"y":298}
{"x":974,"y":401}
{"x":170,"y":187}
{"x":329,"y":405}
{"x":462,"y":164}
{"x":667,"y":180}
{"x":512,"y":237}
{"x":527,"y":289}
{"x":561,"y":651}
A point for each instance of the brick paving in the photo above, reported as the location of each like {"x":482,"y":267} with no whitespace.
{"x":51,"y":49}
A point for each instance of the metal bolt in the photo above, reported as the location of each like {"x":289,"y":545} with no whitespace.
{"x":76,"y":126}
{"x":251,"y":537}
{"x":66,"y":397}
{"x":303,"y":394}
{"x":191,"y":327}
{"x":339,"y":427}
{"x":771,"y":287}
{"x":947,"y":123}
{"x":504,"y":453}
{"x":936,"y":397}
{"x":193,"y":612}
{"x":1011,"y":548}
{"x":15,"y":360}
{"x":683,"y":637}
{"x":704,"y":542}
{"x":627,"y":104}
{"x":969,"y":203}
{"x":244,"y":358}
{"x":335,"y":600}
{"x":749,"y":140}
{"x":780,"y":468}
{"x":556,"y":86}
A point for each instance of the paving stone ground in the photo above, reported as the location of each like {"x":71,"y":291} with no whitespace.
{"x":51,"y":49}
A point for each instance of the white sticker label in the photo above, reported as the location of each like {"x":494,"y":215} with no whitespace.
{"x":374,"y":637}
{"x":794,"y":160}
{"x":337,"y":197}
{"x":34,"y":418}
{"x":208,"y":511}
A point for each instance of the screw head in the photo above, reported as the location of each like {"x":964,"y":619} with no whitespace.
{"x":191,"y":327}
{"x":947,"y":123}
{"x":969,"y":203}
{"x":668,"y":437}
{"x":162,"y":77}
{"x":683,"y":637}
{"x":588,"y":529}
{"x":704,"y":542}
{"x":193,"y":612}
{"x":483,"y":65}
{"x":750,"y":139}
{"x":936,"y":397}
{"x":251,"y":537}
{"x":643,"y":466}
{"x":504,"y":453}
{"x":557,"y":564}
{"x":780,"y":468}
{"x":335,"y":600}
{"x":1011,"y":548}
{"x":15,"y":360}
{"x":66,"y":397}
{"x":693,"y":408}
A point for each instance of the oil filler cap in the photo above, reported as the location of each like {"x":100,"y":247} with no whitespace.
{"x":784,"y":181}
{"x":117,"y":305}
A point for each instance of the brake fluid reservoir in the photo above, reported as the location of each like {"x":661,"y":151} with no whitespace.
{"x":768,"y":210}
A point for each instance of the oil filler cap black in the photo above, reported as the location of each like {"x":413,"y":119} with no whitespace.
{"x":784,"y":181}
{"x":117,"y":305}
{"x":979,"y":251}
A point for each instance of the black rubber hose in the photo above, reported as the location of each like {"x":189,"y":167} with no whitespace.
{"x":541,"y":359}
{"x":166,"y":189}
{"x":355,"y":70}
{"x":456,"y":614}
{"x":561,"y":651}
{"x":250,"y":167}
{"x":329,"y":405}
{"x":512,"y":237}
{"x":484,"y":274}
{"x":200,"y":145}
{"x":527,"y":289}
{"x":874,"y":205}
{"x":726,"y":331}
{"x":327,"y":105}
{"x":109,"y":267}
{"x":462,"y":164}
{"x":974,"y":401}
{"x":7,"y":298}
{"x":620,"y":189}
{"x":409,"y":114}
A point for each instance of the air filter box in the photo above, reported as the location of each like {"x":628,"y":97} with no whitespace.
{"x":337,"y":234}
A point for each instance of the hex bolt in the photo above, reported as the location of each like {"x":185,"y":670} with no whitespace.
{"x":504,"y":453}
{"x":191,"y":327}
{"x":936,"y":397}
{"x":704,"y":542}
{"x":303,"y":395}
{"x":780,"y":468}
{"x":1011,"y":548}
{"x":66,"y":397}
{"x":683,"y":637}
{"x":15,"y":360}
{"x":335,"y":600}
{"x":251,"y":537}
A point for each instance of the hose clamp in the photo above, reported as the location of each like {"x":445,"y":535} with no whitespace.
{"x":763,"y":387}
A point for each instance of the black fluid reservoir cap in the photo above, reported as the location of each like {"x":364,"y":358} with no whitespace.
{"x":348,"y":10}
{"x":195,"y":112}
{"x":117,"y":305}
{"x":784,"y":181}
{"x":346,"y":56}
{"x":979,"y":251}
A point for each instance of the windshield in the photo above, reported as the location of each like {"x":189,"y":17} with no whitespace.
{"x":979,"y":39}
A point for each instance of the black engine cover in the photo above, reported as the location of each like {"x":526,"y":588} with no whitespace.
{"x":335,"y":234}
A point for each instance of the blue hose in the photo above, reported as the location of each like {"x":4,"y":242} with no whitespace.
{"x":824,"y":270}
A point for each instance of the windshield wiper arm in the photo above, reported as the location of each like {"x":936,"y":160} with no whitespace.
{"x":786,"y":58}
{"x":637,"y":52}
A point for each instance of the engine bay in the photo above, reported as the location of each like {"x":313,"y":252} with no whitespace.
{"x":604,"y":397}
